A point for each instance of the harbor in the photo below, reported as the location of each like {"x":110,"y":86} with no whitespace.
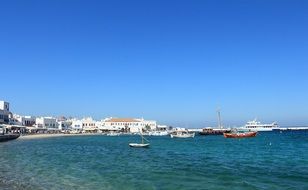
{"x":13,"y":126}
{"x":107,"y":162}
{"x":154,"y":95}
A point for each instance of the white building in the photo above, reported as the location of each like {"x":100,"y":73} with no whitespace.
{"x":63,"y":123}
{"x":4,"y":112}
{"x":24,"y":120}
{"x":149,"y":125}
{"x":89,"y":125}
{"x":127,"y":124}
{"x":4,"y":106}
{"x":14,"y":120}
{"x":46,"y":122}
{"x":76,"y":124}
{"x":86,"y":124}
{"x":162,"y":128}
{"x":28,"y":120}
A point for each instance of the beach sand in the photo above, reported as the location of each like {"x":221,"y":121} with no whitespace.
{"x":39,"y":136}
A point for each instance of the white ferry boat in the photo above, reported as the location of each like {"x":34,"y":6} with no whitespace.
{"x":258,"y":126}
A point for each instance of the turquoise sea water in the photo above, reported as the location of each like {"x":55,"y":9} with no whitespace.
{"x":271,"y":160}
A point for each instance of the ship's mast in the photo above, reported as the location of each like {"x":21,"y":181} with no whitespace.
{"x":219,"y":119}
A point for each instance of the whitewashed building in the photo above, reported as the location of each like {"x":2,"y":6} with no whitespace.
{"x":4,"y":106}
{"x":85,"y":124}
{"x":4,"y":112}
{"x":28,"y":120}
{"x":89,"y":125}
{"x":76,"y":124}
{"x":63,"y":123}
{"x":162,"y":128}
{"x":149,"y":125}
{"x":46,"y":122}
{"x":127,"y":124}
{"x":24,"y":120}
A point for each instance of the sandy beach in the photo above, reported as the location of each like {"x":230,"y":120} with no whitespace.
{"x":38,"y":136}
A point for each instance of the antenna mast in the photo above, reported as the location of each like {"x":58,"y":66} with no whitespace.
{"x":219,"y":119}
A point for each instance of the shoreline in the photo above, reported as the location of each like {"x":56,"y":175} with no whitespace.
{"x":44,"y":135}
{"x":41,"y":136}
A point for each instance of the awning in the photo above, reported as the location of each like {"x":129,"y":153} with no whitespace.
{"x":14,"y":126}
{"x":53,"y":129}
{"x":89,"y":129}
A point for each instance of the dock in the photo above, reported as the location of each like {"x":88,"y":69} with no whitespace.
{"x":291,"y":129}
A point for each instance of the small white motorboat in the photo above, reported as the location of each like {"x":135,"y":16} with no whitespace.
{"x":182,"y":134}
{"x":140,"y":145}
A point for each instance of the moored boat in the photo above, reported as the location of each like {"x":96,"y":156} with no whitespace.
{"x":113,"y":134}
{"x":220,"y":130}
{"x":7,"y":137}
{"x":256,"y":125}
{"x":142,"y":144}
{"x":4,"y":136}
{"x":182,"y":134}
{"x":210,"y":131}
{"x":139,"y":145}
{"x":240,"y":134}
{"x":158,"y":133}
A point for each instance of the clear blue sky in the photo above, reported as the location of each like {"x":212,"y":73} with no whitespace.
{"x":173,"y":61}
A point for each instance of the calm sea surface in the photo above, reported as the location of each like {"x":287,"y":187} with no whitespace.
{"x":272,"y":160}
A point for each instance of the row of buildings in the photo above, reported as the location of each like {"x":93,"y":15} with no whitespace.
{"x":35,"y":124}
{"x":131,"y":125}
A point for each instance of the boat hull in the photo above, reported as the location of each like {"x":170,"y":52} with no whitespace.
{"x":213,"y":132}
{"x":240,"y":135}
{"x":8,"y":137}
{"x":158,"y":134}
{"x":191,"y":135}
{"x":138,"y":145}
{"x":260,"y":129}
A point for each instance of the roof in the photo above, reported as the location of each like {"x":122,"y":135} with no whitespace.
{"x":122,"y":120}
